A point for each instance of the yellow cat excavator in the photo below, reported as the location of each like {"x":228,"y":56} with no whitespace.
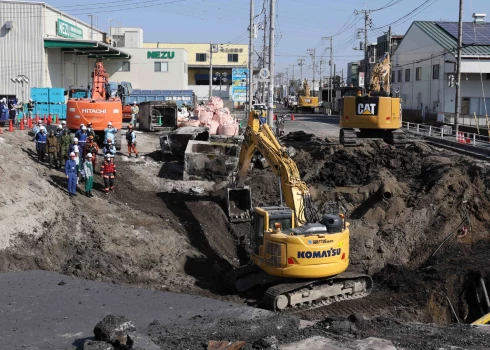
{"x":299,"y":255}
{"x":376,"y":114}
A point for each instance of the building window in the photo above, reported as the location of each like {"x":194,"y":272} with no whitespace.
{"x":399,"y":79}
{"x":435,"y":71}
{"x":201,"y":57}
{"x":418,"y":73}
{"x":232,"y":57}
{"x":393,"y":76}
{"x":125,"y":67}
{"x":161,"y":66}
{"x":407,"y":74}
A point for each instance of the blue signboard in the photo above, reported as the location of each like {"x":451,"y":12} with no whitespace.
{"x":239,"y":80}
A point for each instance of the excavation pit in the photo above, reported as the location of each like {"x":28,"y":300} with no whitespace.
{"x":211,"y":161}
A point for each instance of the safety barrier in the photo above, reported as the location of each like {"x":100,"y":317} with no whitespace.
{"x":448,"y":134}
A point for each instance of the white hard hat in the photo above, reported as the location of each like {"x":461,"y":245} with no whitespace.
{"x":72,"y":154}
{"x":109,"y":124}
{"x":42,"y":127}
{"x":60,"y":127}
{"x":30,"y":99}
{"x":108,"y":155}
{"x":134,"y":102}
{"x":75,"y":139}
{"x":84,"y":127}
{"x":89,"y":155}
{"x":63,"y":122}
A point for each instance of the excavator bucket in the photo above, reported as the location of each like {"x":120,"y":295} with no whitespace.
{"x":239,"y":203}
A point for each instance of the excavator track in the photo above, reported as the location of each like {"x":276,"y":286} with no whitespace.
{"x":397,"y":138}
{"x":348,"y":137}
{"x":302,"y":296}
{"x":233,"y":276}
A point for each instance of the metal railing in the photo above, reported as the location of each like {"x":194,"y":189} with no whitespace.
{"x":448,"y":134}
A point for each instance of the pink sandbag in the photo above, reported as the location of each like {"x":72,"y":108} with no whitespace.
{"x":205,"y":116}
{"x":217,"y":102}
{"x":229,"y":129}
{"x":222,"y":117}
{"x":191,"y":122}
{"x":213,"y":127}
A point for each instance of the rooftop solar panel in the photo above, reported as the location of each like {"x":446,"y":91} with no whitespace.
{"x":473,"y":33}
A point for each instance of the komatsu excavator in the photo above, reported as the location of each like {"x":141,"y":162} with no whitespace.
{"x":376,"y":114}
{"x":300,"y":256}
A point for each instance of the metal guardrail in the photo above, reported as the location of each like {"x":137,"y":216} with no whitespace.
{"x":447,"y":134}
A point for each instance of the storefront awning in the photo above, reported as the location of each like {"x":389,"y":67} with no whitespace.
{"x":92,"y":48}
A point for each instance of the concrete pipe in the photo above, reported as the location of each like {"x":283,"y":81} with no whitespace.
{"x":386,"y":192}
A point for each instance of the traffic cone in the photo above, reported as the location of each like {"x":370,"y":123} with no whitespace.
{"x":37,"y":118}
{"x":22,"y":124}
{"x":29,"y":123}
{"x":1,"y":131}
{"x":292,"y":117}
{"x":50,"y":119}
{"x":11,"y":127}
{"x":44,"y":120}
{"x":275,"y":117}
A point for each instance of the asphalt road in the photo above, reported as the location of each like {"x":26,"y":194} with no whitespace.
{"x":38,"y":311}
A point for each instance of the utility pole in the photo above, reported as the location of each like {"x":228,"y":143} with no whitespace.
{"x":264,"y":50}
{"x":389,"y":42}
{"x":210,"y":69}
{"x":250,"y":57}
{"x":287,"y":81}
{"x":91,"y":27}
{"x":320,"y":85}
{"x":300,"y":64}
{"x":331,"y":81}
{"x":313,"y":55}
{"x":458,"y":68}
{"x":270,"y":117}
{"x":366,"y":63}
{"x":294,"y":82}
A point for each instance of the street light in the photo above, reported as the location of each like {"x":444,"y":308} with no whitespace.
{"x":222,"y":78}
{"x":21,"y":79}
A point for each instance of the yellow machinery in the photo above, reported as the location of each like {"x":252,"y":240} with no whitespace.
{"x":306,"y":101}
{"x":376,"y":115}
{"x":298,"y":254}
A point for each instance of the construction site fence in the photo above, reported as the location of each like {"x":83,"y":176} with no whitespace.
{"x":448,"y":133}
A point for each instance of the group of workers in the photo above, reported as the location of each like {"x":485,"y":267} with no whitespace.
{"x":78,"y":155}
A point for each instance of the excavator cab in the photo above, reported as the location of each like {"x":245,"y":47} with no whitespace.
{"x":268,"y":219}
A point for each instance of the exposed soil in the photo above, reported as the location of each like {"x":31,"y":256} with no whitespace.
{"x":158,"y":232}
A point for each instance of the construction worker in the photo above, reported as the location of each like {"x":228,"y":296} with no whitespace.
{"x":30,"y":108}
{"x":82,"y":141}
{"x":71,"y":172}
{"x":131,"y":139}
{"x":109,"y":148}
{"x":53,"y":147}
{"x":63,"y":126}
{"x":88,"y":174}
{"x":74,"y":146}
{"x":134,"y":113}
{"x":91,"y":131}
{"x":36,"y":128}
{"x":65,"y":146}
{"x":110,"y":133}
{"x":41,"y":139}
{"x":108,"y":172}
{"x":78,"y":162}
{"x":92,"y":148}
{"x":4,"y":111}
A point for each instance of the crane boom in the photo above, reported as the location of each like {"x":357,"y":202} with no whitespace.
{"x":295,"y":191}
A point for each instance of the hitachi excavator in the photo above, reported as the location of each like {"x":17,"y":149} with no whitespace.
{"x":300,"y":256}
{"x":376,"y":114}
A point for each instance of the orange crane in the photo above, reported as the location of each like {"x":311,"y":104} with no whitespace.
{"x":99,"y":109}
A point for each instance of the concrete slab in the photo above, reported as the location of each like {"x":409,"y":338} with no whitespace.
{"x":214,"y":161}
{"x":38,"y":311}
{"x":322,"y":343}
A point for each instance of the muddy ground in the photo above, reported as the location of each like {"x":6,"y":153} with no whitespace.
{"x":157,"y":232}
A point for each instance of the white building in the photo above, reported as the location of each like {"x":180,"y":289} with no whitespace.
{"x":49,"y":47}
{"x":54,"y":49}
{"x":425,"y":62}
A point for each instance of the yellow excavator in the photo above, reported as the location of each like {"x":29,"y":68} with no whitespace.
{"x":306,"y":101}
{"x":299,"y":255}
{"x":377,"y":114}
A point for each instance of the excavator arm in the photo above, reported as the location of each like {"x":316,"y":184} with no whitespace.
{"x":295,"y":192}
{"x":380,"y":75}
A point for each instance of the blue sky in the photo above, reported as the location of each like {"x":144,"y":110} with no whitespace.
{"x":300,"y":24}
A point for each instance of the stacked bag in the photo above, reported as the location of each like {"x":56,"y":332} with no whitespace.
{"x":214,"y":116}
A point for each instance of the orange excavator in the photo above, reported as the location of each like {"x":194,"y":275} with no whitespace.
{"x":100,"y":109}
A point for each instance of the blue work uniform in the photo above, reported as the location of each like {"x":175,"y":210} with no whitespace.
{"x":82,"y":141}
{"x":72,"y":172}
{"x":110,"y":133}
